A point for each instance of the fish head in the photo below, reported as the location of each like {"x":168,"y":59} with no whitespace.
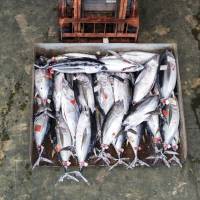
{"x":102,"y":77}
{"x":59,"y":77}
{"x":83,"y":78}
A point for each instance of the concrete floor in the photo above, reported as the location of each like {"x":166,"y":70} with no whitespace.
{"x":25,"y":22}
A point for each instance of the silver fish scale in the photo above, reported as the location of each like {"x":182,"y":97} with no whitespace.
{"x":85,"y":82}
{"x":70,"y":109}
{"x":113,"y":123}
{"x":57,"y":93}
{"x":146,"y":79}
{"x":105,"y":94}
{"x":64,"y":139}
{"x":123,"y":90}
{"x":83,"y":136}
{"x":115,"y":64}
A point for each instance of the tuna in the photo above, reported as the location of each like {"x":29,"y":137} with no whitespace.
{"x":146,"y":79}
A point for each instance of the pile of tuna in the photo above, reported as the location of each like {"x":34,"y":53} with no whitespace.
{"x":101,"y":101}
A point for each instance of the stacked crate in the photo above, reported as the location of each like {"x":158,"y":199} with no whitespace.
{"x":91,"y":21}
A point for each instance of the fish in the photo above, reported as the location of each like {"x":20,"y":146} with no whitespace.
{"x":57,"y":92}
{"x":104,"y":92}
{"x":110,"y":129}
{"x":142,"y":112}
{"x":134,"y":137}
{"x":137,"y":56}
{"x":82,"y":145}
{"x":169,"y":78}
{"x":146,"y":80}
{"x":64,"y":139}
{"x":69,"y":109}
{"x":41,"y":127}
{"x":79,"y":65}
{"x":117,"y":64}
{"x":122,"y":88}
{"x":42,"y":85}
{"x":86,"y":91}
{"x":112,"y":125}
{"x":169,"y":130}
{"x":83,"y":138}
{"x":64,"y":57}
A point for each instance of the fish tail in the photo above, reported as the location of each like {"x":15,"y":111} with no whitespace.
{"x":41,"y":158}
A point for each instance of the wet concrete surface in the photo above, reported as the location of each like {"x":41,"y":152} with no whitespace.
{"x":25,"y":22}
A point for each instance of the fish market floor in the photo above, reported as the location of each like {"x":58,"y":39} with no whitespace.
{"x":25,"y":22}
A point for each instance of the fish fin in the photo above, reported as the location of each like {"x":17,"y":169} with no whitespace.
{"x":139,"y":78}
{"x":132,"y":131}
{"x":68,"y":148}
{"x":173,"y":95}
{"x":50,"y":115}
{"x":171,"y":152}
{"x":104,"y":68}
{"x":155,"y":112}
{"x":117,"y":77}
{"x":156,"y":89}
{"x":83,"y":138}
{"x":119,"y":133}
{"x":97,"y":88}
{"x":40,"y":158}
{"x":120,"y":161}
